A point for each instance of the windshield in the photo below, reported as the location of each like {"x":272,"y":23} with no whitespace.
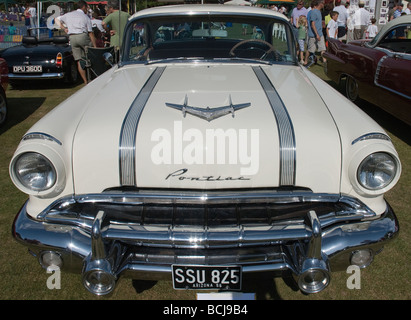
{"x":207,"y":37}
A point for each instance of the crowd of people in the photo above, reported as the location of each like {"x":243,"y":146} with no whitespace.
{"x":319,"y":22}
{"x":314,"y":25}
{"x":26,"y":13}
{"x":21,"y":17}
{"x":85,"y":28}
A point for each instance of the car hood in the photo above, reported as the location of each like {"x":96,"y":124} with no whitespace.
{"x":274,"y":131}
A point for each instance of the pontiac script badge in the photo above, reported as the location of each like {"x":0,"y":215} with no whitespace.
{"x":208,"y":113}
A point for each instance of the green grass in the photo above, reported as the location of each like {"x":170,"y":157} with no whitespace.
{"x":22,"y":277}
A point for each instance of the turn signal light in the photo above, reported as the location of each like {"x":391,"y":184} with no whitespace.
{"x":59,"y":60}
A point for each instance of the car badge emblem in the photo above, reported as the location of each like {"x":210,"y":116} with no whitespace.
{"x":208,"y":113}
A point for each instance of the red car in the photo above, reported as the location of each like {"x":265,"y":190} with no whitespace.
{"x":377,"y":71}
{"x":4,"y":81}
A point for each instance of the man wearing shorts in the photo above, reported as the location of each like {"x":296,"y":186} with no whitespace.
{"x":316,"y":40}
{"x":77,"y":25}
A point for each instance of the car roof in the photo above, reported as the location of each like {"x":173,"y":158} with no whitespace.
{"x":397,"y":21}
{"x":390,"y":25}
{"x":192,"y":9}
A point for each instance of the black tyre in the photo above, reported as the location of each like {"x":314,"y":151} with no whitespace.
{"x":72,"y":75}
{"x":351,"y":89}
{"x":3,"y":107}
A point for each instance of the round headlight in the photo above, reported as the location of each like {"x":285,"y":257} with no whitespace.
{"x":34,"y":171}
{"x":377,"y":171}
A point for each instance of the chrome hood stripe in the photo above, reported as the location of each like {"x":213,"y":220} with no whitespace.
{"x":129,"y":129}
{"x":285,"y":130}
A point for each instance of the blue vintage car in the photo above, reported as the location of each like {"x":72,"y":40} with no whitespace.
{"x":42,"y":55}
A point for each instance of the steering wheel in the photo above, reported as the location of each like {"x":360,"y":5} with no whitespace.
{"x":269,"y":45}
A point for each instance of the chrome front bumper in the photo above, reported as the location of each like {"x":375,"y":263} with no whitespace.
{"x":141,"y":236}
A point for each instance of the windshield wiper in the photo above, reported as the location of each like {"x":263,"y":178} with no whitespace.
{"x":174,"y":59}
{"x":234,"y":59}
{"x":247,"y":60}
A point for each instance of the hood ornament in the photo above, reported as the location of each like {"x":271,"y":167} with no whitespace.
{"x":208,"y":113}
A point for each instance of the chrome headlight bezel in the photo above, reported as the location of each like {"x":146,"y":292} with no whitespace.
{"x":50,"y":171}
{"x":34,"y":171}
{"x":377,"y":171}
{"x":380,"y":159}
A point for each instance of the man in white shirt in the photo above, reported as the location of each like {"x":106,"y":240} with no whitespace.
{"x":33,"y":16}
{"x":361,"y":21}
{"x":77,"y":25}
{"x":342,"y":18}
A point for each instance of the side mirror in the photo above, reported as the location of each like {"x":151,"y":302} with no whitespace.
{"x":109,"y":58}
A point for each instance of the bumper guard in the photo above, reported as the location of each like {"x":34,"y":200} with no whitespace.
{"x":104,"y":251}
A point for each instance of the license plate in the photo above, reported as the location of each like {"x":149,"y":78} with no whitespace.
{"x":207,"y":277}
{"x":27,"y":69}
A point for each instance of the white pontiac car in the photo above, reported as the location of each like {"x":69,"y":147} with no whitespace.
{"x":207,"y":153}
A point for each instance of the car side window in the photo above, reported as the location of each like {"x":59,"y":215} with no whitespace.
{"x":281,"y":40}
{"x":398,"y":39}
{"x":138,"y":40}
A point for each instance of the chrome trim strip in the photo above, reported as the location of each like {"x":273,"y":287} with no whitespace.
{"x":58,"y":210}
{"x":194,"y":197}
{"x":42,"y":136}
{"x":285,"y":130}
{"x":211,"y":237}
{"x":377,"y":75}
{"x":57,"y":75}
{"x":128,"y":133}
{"x":371,"y":135}
{"x":198,"y":60}
{"x":130,"y":270}
{"x":378,"y":69}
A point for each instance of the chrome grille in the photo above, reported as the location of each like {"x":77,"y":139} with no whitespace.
{"x":208,"y":220}
{"x":207,"y":215}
